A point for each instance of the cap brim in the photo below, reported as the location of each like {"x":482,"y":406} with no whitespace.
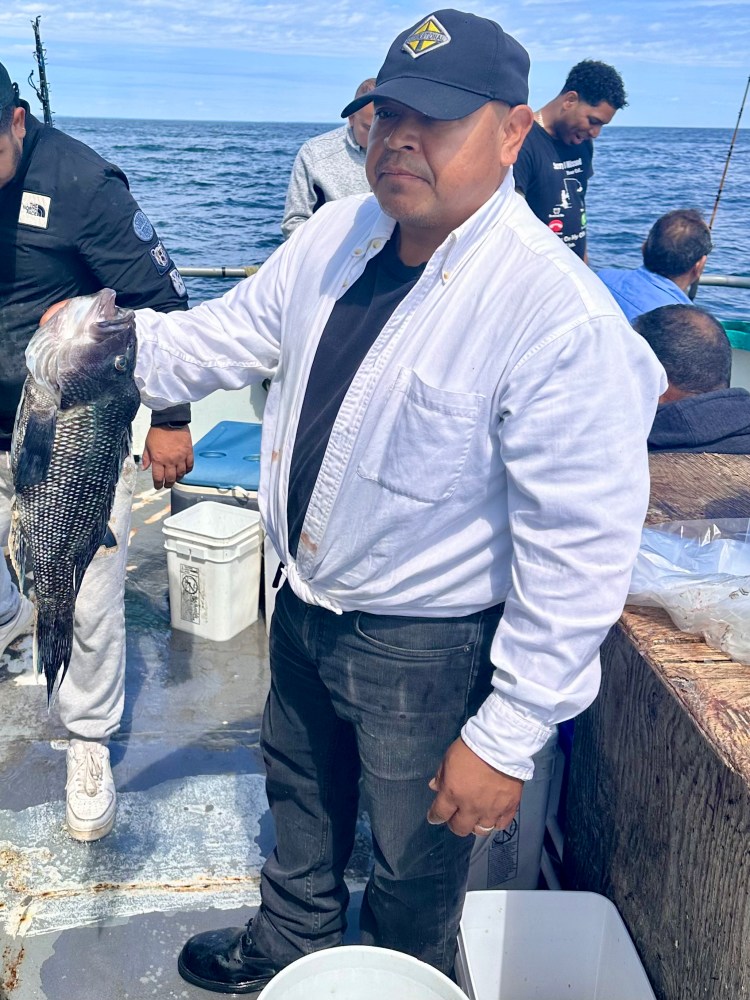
{"x":428,"y":97}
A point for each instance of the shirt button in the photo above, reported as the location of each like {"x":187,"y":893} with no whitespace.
{"x":376,"y":244}
{"x":446,"y":275}
{"x":358,"y":252}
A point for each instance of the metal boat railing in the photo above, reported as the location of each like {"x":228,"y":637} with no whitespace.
{"x":727,"y":280}
{"x":218,"y":272}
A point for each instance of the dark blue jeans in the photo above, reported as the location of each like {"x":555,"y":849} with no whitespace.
{"x":377,"y":698}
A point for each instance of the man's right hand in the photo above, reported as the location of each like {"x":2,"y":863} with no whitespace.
{"x":472,"y":796}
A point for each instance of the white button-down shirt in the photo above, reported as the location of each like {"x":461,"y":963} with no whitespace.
{"x":491,"y":447}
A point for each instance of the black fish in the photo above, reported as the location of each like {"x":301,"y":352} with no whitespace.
{"x":71,"y":436}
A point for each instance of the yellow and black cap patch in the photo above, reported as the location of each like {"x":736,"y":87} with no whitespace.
{"x":448,"y":65}
{"x":430,"y":35}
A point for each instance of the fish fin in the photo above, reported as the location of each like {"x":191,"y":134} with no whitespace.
{"x":33,"y":458}
{"x":109,"y":541}
{"x":17,"y":547}
{"x":101,"y":535}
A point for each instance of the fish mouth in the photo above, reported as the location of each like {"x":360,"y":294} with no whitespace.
{"x":103,"y":307}
{"x":59,"y":345}
{"x":108,"y":319}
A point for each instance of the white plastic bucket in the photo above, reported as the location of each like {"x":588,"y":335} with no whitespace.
{"x":359,"y":972}
{"x":213,"y":563}
{"x":519,"y":945}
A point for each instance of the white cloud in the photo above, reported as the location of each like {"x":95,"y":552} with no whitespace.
{"x":175,"y":45}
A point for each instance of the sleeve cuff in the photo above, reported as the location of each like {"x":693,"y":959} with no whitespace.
{"x":504,"y":738}
{"x":179,"y":414}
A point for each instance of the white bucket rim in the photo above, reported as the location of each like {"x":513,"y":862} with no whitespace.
{"x":330,"y":959}
{"x":229,"y":524}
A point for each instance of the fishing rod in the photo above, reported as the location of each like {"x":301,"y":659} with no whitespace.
{"x":693,"y":289}
{"x":42,"y":91}
{"x":729,"y":155}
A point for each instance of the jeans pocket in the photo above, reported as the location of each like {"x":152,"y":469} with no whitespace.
{"x":417,"y":638}
{"x":420,"y":444}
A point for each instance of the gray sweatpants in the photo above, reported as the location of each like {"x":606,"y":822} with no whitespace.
{"x":90,"y":701}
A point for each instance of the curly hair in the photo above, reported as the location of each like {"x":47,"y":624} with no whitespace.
{"x":595,"y":82}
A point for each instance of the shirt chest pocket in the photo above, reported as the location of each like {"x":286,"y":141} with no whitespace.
{"x":420,"y":444}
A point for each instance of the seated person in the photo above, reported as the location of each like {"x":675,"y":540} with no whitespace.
{"x":698,"y":411}
{"x":674,"y":256}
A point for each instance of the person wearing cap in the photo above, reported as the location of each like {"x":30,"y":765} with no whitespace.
{"x":454,"y":475}
{"x":329,"y":166}
{"x":556,"y":160}
{"x":69,"y":226}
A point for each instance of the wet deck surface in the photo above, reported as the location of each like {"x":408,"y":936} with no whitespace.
{"x":107,"y":920}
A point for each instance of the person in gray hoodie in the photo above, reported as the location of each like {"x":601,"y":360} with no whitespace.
{"x":329,"y":166}
{"x":699,"y":412}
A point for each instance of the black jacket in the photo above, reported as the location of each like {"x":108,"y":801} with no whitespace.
{"x":70,"y":226}
{"x":717,"y":422}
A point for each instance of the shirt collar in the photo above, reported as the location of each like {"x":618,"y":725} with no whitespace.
{"x":461,"y":242}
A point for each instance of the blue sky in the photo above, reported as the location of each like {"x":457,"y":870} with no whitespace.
{"x":684,"y":62}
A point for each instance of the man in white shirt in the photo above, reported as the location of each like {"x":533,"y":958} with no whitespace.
{"x":454,"y":474}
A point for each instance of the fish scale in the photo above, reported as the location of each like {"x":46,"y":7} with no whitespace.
{"x":71,"y":437}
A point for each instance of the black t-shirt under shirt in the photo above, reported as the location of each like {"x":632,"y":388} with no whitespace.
{"x":553,"y":176}
{"x":352,"y":328}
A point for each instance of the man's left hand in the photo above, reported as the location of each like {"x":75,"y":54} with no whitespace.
{"x":472,"y":797}
{"x":169,"y":453}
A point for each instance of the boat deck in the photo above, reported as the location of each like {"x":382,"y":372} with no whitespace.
{"x":106,"y":920}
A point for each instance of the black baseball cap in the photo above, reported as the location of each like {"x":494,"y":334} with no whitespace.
{"x":448,"y":65}
{"x":8,"y":90}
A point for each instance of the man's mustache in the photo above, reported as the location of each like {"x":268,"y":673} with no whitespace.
{"x":389,"y":161}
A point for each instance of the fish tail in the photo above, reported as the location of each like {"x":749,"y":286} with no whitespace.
{"x":53,"y":647}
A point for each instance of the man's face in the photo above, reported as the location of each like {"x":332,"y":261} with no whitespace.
{"x":431,"y":175}
{"x":360,"y":122}
{"x":580,"y":121}
{"x":11,"y":147}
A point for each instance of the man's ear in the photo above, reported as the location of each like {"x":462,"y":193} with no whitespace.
{"x":697,"y":269}
{"x":569,"y":99}
{"x":518,"y":121}
{"x":18,"y":123}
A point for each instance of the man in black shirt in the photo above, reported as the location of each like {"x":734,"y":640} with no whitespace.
{"x":69,"y":226}
{"x":555,"y":162}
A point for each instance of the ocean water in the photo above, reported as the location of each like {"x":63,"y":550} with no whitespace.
{"x":215,"y":191}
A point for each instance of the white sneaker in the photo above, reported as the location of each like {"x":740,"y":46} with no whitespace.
{"x":91,"y":795}
{"x":22,"y":621}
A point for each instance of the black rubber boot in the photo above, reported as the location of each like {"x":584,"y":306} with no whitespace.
{"x":225,"y":961}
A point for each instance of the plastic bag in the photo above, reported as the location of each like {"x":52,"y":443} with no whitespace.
{"x":699,"y":572}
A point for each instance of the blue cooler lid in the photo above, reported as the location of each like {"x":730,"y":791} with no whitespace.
{"x":229,"y":455}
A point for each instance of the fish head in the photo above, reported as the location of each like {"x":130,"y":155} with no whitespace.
{"x":85,"y":350}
